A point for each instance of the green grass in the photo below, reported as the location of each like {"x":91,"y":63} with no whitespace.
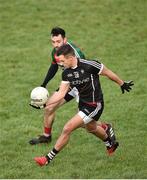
{"x":114,"y":31}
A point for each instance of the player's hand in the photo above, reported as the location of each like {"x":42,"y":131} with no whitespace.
{"x":126,"y":86}
{"x":37,"y":107}
{"x":42,"y":86}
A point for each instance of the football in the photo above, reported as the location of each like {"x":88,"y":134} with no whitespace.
{"x":39,"y":97}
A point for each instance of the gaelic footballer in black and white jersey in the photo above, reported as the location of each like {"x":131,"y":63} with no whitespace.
{"x":85,"y":79}
{"x":83,"y":75}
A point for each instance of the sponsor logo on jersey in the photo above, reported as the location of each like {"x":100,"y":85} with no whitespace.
{"x":80,"y":81}
{"x":69,"y":75}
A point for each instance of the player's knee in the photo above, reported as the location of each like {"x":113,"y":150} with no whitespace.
{"x":92,"y":130}
{"x":49,"y":109}
{"x":67,"y":129}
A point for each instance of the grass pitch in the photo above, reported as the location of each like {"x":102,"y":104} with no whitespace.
{"x":115,"y":32}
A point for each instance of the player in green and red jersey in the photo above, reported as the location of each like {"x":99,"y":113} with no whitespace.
{"x":57,"y":41}
{"x":58,"y":38}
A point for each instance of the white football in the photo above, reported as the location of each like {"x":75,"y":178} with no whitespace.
{"x":39,"y":96}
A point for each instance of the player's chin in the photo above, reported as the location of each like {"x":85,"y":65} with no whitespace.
{"x":66,"y":66}
{"x":56,"y":48}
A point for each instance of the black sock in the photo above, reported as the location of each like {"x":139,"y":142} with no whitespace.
{"x":51,"y":154}
{"x":107,"y":142}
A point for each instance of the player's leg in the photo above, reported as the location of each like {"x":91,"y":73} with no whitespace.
{"x":98,"y":131}
{"x":70,"y":126}
{"x":73,"y":93}
{"x":101,"y":133}
{"x":106,"y":126}
{"x":89,"y":113}
{"x":63,"y":139}
{"x":49,"y":116}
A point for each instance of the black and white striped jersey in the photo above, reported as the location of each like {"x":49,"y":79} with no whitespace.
{"x":85,"y":78}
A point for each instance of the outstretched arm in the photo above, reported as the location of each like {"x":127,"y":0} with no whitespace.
{"x":125,"y":86}
{"x":111,"y":75}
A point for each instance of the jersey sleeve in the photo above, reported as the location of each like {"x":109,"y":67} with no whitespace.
{"x":50,"y":74}
{"x":64,"y":77}
{"x":77,"y":50}
{"x":96,"y":67}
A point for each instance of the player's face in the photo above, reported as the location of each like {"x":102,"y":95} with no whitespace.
{"x":66,"y":61}
{"x":58,"y":41}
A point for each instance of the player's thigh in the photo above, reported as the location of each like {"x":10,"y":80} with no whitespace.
{"x":74,"y":123}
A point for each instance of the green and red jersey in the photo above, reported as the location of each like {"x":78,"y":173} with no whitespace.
{"x":55,"y":63}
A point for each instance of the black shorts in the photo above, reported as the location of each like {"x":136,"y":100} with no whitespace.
{"x":90,"y":111}
{"x":68,"y":97}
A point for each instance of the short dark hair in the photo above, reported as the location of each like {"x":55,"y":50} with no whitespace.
{"x":65,"y":50}
{"x":57,"y":30}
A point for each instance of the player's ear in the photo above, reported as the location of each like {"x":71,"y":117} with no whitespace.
{"x":65,"y":40}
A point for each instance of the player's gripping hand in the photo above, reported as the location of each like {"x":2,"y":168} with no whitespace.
{"x":126,"y":86}
{"x":37,"y":107}
{"x":42,"y":85}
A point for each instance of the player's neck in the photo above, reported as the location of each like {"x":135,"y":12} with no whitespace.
{"x":74,"y":63}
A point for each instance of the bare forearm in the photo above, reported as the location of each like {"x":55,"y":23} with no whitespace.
{"x":115,"y":78}
{"x":56,"y":97}
{"x":125,"y":85}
